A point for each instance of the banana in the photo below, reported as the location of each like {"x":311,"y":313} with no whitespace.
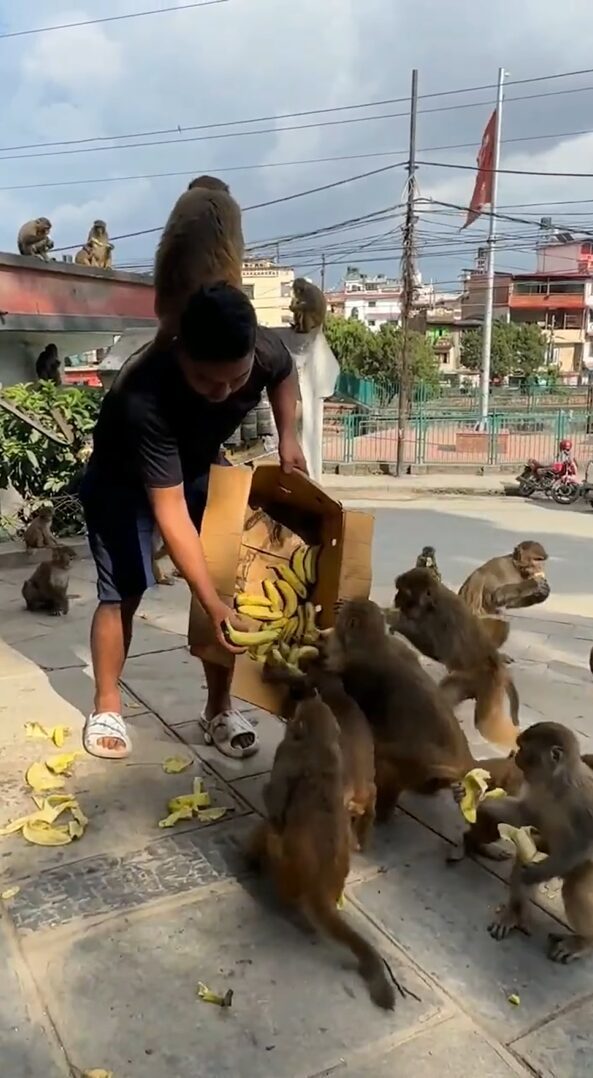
{"x":289,"y":596}
{"x":250,"y":639}
{"x":310,"y":564}
{"x":262,"y":613}
{"x":286,"y":573}
{"x":311,"y":632}
{"x":273,"y":596}
{"x":300,"y":629}
{"x":244,"y":599}
{"x":290,"y":628}
{"x":303,"y":653}
{"x":262,"y":650}
{"x":297,"y":564}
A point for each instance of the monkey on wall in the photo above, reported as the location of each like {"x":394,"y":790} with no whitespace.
{"x":556,"y":799}
{"x":84,"y":257}
{"x":34,"y":238}
{"x":47,"y":589}
{"x":305,"y":842}
{"x":100,"y":247}
{"x":38,"y":532}
{"x":47,"y":365}
{"x":510,"y":582}
{"x":202,"y":244}
{"x":439,"y":623}
{"x":308,"y":306}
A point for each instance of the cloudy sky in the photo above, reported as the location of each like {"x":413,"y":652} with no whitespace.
{"x":148,"y":80}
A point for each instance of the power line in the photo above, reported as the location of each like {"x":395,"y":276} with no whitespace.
{"x":509,"y":171}
{"x":111,"y":18}
{"x":268,"y":130}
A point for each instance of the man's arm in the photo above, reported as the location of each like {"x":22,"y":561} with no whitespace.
{"x":284,"y":398}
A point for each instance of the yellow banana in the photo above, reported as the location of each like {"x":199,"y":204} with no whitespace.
{"x":261,"y":651}
{"x":297,"y":564}
{"x":250,"y":639}
{"x":262,"y":613}
{"x":289,"y":596}
{"x":288,"y":574}
{"x":310,"y":564}
{"x":311,"y":629}
{"x":283,"y":650}
{"x":303,"y":654}
{"x":244,"y":599}
{"x":301,"y":623}
{"x":290,"y":628}
{"x":273,"y":595}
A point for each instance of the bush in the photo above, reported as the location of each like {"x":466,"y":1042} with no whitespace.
{"x":42,"y":471}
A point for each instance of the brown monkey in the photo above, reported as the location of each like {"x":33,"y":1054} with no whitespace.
{"x":84,"y":257}
{"x":419,"y":744}
{"x":304,"y":844}
{"x":202,"y":244}
{"x":47,"y":588}
{"x":308,"y":306}
{"x":511,"y":582}
{"x":47,"y":365}
{"x":38,"y":533}
{"x":159,"y":551}
{"x":441,"y":626}
{"x":356,"y":739}
{"x":427,"y":559}
{"x":100,"y":247}
{"x":556,"y":799}
{"x":34,"y":238}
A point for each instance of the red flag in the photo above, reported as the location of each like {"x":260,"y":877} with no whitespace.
{"x":483,"y":185}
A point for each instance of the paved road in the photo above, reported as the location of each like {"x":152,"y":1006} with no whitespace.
{"x":104,"y":944}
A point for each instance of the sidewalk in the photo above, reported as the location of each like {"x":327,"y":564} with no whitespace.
{"x":104,"y":943}
{"x":378,"y":488}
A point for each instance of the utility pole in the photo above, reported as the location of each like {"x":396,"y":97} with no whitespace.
{"x":489,"y":304}
{"x":408,"y":282}
{"x":323,"y":273}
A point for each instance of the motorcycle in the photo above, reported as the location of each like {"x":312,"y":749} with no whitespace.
{"x":557,"y":480}
{"x":587,"y":484}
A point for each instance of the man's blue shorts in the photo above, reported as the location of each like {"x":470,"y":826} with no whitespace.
{"x":120,"y":527}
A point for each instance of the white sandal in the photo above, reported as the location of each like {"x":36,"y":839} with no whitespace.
{"x":224,"y":729}
{"x":106,"y":724}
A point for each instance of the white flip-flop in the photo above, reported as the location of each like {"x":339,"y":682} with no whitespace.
{"x":106,"y":724}
{"x":224,"y":729}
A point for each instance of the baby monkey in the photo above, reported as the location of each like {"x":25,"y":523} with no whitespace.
{"x":47,"y":588}
{"x":427,"y":559}
{"x":557,"y":800}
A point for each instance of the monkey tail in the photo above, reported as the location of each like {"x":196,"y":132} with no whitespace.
{"x":513,"y":697}
{"x":370,"y":964}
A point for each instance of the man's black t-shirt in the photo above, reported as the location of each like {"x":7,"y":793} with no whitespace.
{"x":155,"y":431}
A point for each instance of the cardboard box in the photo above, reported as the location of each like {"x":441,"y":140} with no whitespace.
{"x":254,"y":520}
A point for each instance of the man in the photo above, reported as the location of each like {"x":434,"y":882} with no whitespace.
{"x":161,"y":426}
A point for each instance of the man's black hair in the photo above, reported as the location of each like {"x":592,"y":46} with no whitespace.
{"x":218,"y":325}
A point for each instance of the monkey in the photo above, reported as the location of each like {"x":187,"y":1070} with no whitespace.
{"x":308,"y":306}
{"x":38,"y":532}
{"x":100,"y":247}
{"x":511,"y":582}
{"x":356,"y":739}
{"x":427,"y":559}
{"x":438,"y":622}
{"x":557,"y":800}
{"x":202,"y":244}
{"x":159,"y":551}
{"x":304,"y":843}
{"x":419,"y":744}
{"x":47,"y":588}
{"x":591,"y":660}
{"x":84,"y":257}
{"x":47,"y":365}
{"x":34,"y":238}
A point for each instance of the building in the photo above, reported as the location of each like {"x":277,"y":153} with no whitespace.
{"x":562,"y":305}
{"x":269,"y":287}
{"x":444,"y":329}
{"x":473,"y":300}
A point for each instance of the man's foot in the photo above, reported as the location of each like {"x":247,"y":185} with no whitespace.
{"x":105,"y":736}
{"x":231,"y":732}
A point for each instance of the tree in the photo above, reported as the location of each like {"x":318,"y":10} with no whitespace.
{"x":379,"y":355}
{"x":352,"y":343}
{"x":516,"y":349}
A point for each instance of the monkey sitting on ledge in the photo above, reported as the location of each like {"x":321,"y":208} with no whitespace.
{"x":38,"y":533}
{"x":47,"y":589}
{"x":556,"y":799}
{"x":34,"y":238}
{"x":308,"y":306}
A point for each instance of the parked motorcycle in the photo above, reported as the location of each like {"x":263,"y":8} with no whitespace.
{"x":557,"y":480}
{"x":587,"y":484}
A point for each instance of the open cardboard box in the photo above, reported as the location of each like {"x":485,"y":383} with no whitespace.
{"x":254,"y":520}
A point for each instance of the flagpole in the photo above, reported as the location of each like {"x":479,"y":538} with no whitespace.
{"x":489,"y":304}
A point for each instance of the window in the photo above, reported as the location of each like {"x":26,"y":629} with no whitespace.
{"x":372,"y":303}
{"x":286,"y":289}
{"x":371,"y":321}
{"x":249,"y":290}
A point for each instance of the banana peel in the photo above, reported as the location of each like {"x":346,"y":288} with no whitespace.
{"x":98,"y":1072}
{"x":62,"y":764}
{"x":183,"y":813}
{"x":523,"y":841}
{"x":39,"y":778}
{"x":10,"y":892}
{"x":208,"y":996}
{"x":57,"y":734}
{"x":174,"y":765}
{"x":39,"y":827}
{"x":187,"y":806}
{"x":475,"y":785}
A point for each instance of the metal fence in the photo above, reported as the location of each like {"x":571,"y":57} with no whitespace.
{"x":453,"y":439}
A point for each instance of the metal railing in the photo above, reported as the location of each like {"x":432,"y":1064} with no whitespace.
{"x":453,"y":439}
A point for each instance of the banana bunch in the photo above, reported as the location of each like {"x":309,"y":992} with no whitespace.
{"x":284,"y":611}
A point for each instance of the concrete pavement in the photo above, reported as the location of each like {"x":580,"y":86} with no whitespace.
{"x":106,"y":939}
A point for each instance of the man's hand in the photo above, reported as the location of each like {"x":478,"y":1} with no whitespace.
{"x":291,"y":455}
{"x":218,"y":613}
